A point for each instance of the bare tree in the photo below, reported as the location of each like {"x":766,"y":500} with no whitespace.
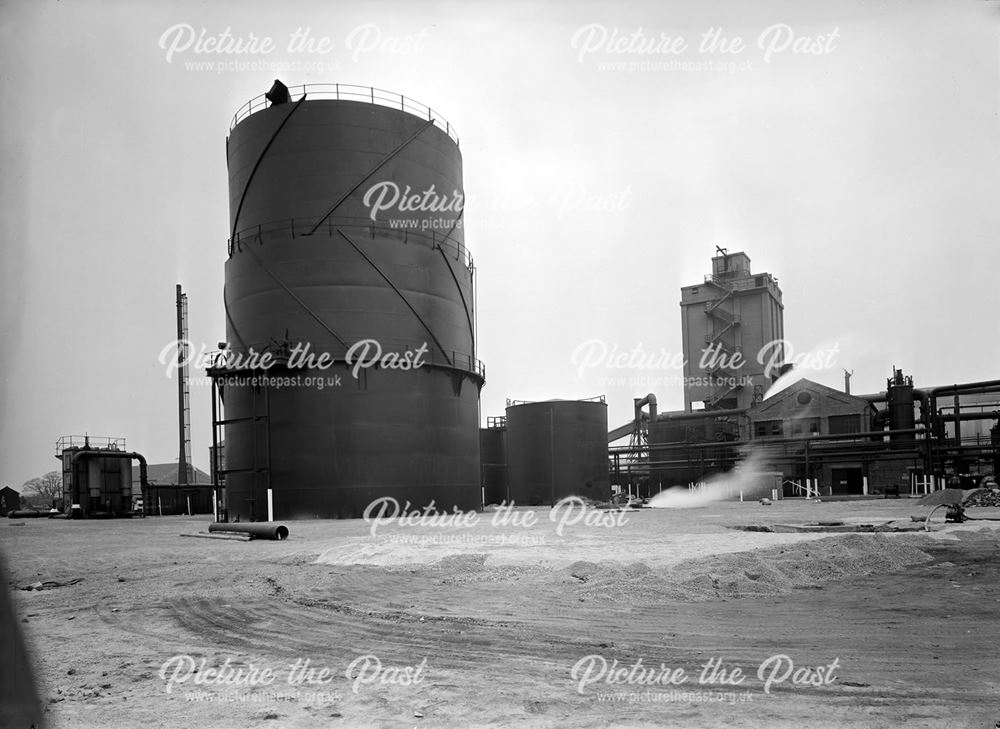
{"x":46,"y":487}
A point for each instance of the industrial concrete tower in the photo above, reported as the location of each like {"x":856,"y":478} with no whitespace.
{"x":733,"y":331}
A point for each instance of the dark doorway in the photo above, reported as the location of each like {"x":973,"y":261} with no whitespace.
{"x":848,"y":481}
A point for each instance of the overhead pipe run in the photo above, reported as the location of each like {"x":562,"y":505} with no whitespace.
{"x":650,"y":400}
{"x":894,"y":422}
{"x":629,"y":428}
{"x":116,"y":454}
{"x":874,"y":397}
{"x":793,"y":440}
{"x":969,"y":388}
{"x":995,"y":415}
{"x":704,"y":414}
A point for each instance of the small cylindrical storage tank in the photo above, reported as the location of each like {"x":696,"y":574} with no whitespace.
{"x":557,"y":448}
{"x":899,"y":389}
{"x":98,"y":484}
{"x":493,"y":454}
{"x":347,"y":262}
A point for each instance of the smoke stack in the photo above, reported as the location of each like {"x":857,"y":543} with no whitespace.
{"x":183,"y":395}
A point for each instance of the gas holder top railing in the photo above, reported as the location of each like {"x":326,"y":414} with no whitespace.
{"x":351,"y":92}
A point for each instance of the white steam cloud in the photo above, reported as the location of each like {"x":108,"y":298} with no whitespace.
{"x":749,"y":477}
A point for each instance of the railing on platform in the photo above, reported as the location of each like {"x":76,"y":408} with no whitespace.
{"x":89,"y":441}
{"x":351,"y":92}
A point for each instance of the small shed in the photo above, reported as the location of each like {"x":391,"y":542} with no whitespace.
{"x":10,"y":500}
{"x":164,"y":496}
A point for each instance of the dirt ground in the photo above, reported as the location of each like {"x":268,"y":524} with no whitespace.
{"x":509,"y":625}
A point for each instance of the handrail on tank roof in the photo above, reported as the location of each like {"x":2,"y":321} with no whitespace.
{"x":352,"y":92}
{"x":89,"y":441}
{"x":598,"y":398}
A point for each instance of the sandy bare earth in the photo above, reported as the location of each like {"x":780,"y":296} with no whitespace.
{"x":662,"y":618}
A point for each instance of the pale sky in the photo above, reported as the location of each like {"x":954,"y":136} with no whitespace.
{"x":599,"y":179}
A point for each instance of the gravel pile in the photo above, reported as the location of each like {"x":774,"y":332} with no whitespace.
{"x":985,"y":498}
{"x":461,"y":568}
{"x":744,"y":574}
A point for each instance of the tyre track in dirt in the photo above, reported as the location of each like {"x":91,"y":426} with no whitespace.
{"x":501,"y":642}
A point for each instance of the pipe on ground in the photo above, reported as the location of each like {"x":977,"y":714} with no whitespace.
{"x":256,"y":529}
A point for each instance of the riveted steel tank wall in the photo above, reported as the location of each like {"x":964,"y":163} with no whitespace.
{"x":328,"y":440}
{"x":556,"y":449}
{"x":288,"y":166}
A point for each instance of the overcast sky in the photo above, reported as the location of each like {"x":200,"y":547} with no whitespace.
{"x":850,"y":148}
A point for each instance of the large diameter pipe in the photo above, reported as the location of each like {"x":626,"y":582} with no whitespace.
{"x":874,"y":397}
{"x":970,"y":388}
{"x":696,"y":414}
{"x":90,"y":453}
{"x":970,"y":416}
{"x":650,"y":400}
{"x":256,"y":529}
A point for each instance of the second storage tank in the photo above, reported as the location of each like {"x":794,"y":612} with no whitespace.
{"x":557,"y":448}
{"x":493,"y":454}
